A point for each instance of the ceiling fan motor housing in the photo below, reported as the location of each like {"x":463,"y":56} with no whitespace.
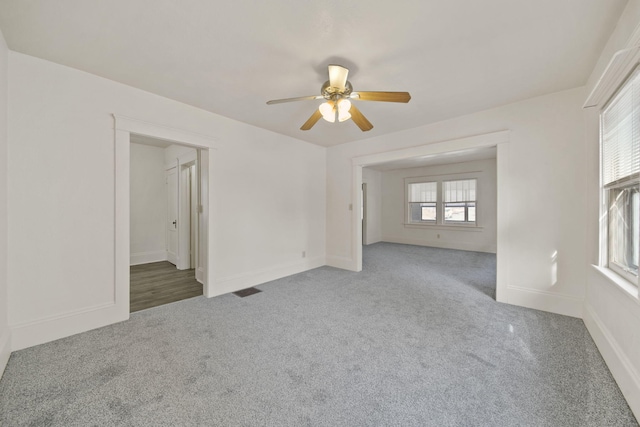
{"x":333,"y":93}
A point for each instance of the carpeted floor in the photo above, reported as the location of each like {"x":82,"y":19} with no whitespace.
{"x":416,"y":339}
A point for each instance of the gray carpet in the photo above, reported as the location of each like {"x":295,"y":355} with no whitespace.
{"x":416,"y":339}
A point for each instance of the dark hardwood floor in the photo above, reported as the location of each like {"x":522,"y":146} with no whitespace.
{"x":161,"y":283}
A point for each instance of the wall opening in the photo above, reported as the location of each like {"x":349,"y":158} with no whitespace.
{"x":499,"y":140}
{"x":164,"y":229}
{"x":201,"y":156}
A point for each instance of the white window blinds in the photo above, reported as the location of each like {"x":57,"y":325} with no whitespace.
{"x":621,"y":133}
{"x":423,"y":192}
{"x":463,"y":190}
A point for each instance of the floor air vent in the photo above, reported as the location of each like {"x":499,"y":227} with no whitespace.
{"x":246,"y":292}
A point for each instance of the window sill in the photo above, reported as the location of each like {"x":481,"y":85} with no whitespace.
{"x":624,"y":285}
{"x":444,"y":227}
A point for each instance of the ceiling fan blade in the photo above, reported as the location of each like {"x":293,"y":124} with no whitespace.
{"x":338,"y":76}
{"x":312,"y":120}
{"x":382,"y":96}
{"x":301,"y":98}
{"x":359,"y":119}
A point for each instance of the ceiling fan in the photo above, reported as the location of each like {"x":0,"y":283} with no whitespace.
{"x":337,"y":91}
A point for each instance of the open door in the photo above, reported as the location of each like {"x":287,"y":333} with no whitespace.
{"x":187,"y":210}
{"x":172,"y":216}
{"x":363,"y":210}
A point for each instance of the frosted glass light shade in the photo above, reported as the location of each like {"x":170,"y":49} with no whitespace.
{"x":344,"y":105}
{"x":327,"y":109}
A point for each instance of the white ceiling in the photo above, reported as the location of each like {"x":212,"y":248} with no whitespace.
{"x":230,"y":57}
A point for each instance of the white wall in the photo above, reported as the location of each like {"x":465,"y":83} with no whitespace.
{"x":545,"y":186}
{"x":5,"y":334}
{"x":373,"y":179}
{"x":269,"y":197}
{"x":482,"y":238}
{"x":172,"y":152}
{"x":148,"y":206}
{"x":611,"y":314}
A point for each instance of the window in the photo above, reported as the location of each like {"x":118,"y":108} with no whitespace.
{"x":423,"y":197}
{"x":620,"y":162}
{"x":440,"y":201}
{"x":459,"y":201}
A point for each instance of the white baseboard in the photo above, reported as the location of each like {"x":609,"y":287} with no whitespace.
{"x":200,"y":275}
{"x":340,"y":262}
{"x":462,"y":246}
{"x":51,"y":328}
{"x":172,"y":258}
{"x":374,"y":239}
{"x":546,"y":301}
{"x":621,"y":368}
{"x":147,"y":257}
{"x":5,"y":349}
{"x":246,"y":280}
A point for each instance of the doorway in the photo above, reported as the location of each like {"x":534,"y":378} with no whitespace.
{"x":124,"y":127}
{"x":164,"y":227}
{"x":498,"y":140}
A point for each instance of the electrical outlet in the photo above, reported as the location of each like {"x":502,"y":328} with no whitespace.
{"x":304,"y":254}
{"x":438,"y":236}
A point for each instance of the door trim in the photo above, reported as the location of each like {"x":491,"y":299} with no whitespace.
{"x":172,"y":256}
{"x":184,"y":211}
{"x":124,"y":127}
{"x":364,"y":213}
{"x":499,"y":139}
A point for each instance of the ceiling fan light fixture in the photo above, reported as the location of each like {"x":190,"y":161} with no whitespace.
{"x":337,"y":91}
{"x":344,"y":105}
{"x":328,"y":111}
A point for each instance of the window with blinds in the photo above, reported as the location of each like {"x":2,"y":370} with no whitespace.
{"x":459,"y":198}
{"x":620,"y":162}
{"x":423,"y":197}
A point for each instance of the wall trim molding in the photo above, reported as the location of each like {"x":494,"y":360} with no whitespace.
{"x":553,"y":302}
{"x":627,"y":378}
{"x":62,"y":325}
{"x":200,"y":275}
{"x":619,"y":67}
{"x":5,"y":349}
{"x":163,"y":132}
{"x":340,"y":262}
{"x":374,"y":239}
{"x":245,"y":280}
{"x":499,"y":139}
{"x":147,"y":257}
{"x":462,"y":246}
{"x":490,"y":139}
{"x":123,"y":127}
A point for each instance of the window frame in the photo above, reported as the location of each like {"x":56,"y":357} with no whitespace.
{"x":409,"y":203}
{"x":607,"y":189}
{"x":440,"y":204}
{"x":465,"y":202}
{"x":618,"y":268}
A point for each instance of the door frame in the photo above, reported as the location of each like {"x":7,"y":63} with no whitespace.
{"x":124,"y":127}
{"x":172,"y":257}
{"x":184,"y":211}
{"x":499,"y":139}
{"x":364,"y":214}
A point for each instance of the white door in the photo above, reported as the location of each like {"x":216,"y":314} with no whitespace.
{"x":193,"y":194}
{"x":172,"y":216}
{"x":363,"y":213}
{"x":184,"y":231}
